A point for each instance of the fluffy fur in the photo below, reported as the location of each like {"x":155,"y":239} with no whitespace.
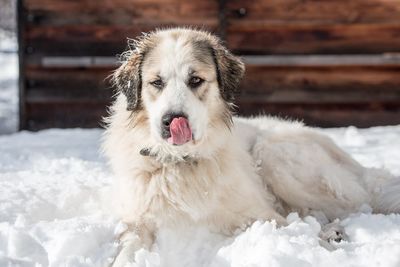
{"x":234,"y":171}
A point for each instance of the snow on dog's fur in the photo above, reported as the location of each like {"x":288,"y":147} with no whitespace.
{"x":227,"y":172}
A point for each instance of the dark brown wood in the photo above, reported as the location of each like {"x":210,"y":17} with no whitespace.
{"x":316,"y":12}
{"x":331,"y":63}
{"x":322,"y":84}
{"x":65,"y":114}
{"x":313,"y":27}
{"x":222,"y":20}
{"x":85,"y":40}
{"x":21,"y":14}
{"x":327,"y":115}
{"x":254,"y":37}
{"x":55,"y":85}
{"x":122,"y":12}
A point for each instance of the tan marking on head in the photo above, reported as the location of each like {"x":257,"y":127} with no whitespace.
{"x":138,"y":119}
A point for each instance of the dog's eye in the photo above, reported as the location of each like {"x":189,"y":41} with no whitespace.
{"x":195,"y":81}
{"x":157,"y":84}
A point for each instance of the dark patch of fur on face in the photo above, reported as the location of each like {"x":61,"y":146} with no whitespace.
{"x":202,"y":51}
{"x":128,"y":77}
{"x":230,"y":69}
{"x":128,"y":80}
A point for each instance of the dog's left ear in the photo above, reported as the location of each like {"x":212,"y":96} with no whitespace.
{"x":230,"y":70}
{"x":128,"y":80}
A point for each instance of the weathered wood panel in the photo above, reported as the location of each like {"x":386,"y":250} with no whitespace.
{"x":101,"y":28}
{"x":313,"y":27}
{"x":326,"y":84}
{"x":64,"y":114}
{"x":64,"y":84}
{"x":85,"y":40}
{"x":327,"y":115}
{"x":121,"y":12}
{"x":250,"y":37}
{"x":316,"y":12}
{"x":63,"y":44}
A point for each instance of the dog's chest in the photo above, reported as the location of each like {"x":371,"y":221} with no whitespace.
{"x":183,"y":189}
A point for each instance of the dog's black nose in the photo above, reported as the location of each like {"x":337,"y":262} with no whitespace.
{"x":166,"y":122}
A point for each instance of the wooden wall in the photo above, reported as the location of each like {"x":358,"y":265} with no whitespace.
{"x":329,"y":62}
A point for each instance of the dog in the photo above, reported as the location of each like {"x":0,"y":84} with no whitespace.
{"x":181,"y":157}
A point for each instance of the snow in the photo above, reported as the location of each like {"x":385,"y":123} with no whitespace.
{"x":55,"y":208}
{"x":54,"y":212}
{"x":8,"y":84}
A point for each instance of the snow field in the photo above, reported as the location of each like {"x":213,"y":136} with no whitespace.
{"x":55,"y":210}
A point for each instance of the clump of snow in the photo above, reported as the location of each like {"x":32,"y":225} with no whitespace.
{"x":54,"y":211}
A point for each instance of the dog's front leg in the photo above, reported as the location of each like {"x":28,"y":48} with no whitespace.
{"x":137,"y":236}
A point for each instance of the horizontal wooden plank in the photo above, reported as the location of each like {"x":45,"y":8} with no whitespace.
{"x":66,"y":77}
{"x":86,"y":40}
{"x":259,"y":37}
{"x":89,"y":5}
{"x":64,"y":115}
{"x":84,"y":61}
{"x":52,"y":85}
{"x":327,"y":115}
{"x":377,"y":60}
{"x":324,"y":84}
{"x":120,"y":12}
{"x":38,"y":49}
{"x":332,"y":11}
{"x":55,"y":95}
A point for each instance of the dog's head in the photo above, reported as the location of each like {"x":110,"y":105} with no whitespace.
{"x":185,"y":80}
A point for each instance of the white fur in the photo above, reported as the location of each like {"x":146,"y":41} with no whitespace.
{"x":263,"y":168}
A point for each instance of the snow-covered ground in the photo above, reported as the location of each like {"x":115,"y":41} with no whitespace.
{"x":55,"y":210}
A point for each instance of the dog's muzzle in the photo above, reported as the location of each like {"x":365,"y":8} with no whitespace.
{"x":175,"y":128}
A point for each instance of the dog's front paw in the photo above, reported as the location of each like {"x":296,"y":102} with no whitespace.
{"x":130,"y":244}
{"x":331,"y":233}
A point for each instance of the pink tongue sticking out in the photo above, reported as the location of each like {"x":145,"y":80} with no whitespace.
{"x":180,"y":131}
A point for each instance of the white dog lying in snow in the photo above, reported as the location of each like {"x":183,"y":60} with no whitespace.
{"x":180,"y":157}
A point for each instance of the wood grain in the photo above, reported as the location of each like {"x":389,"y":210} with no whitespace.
{"x":120,"y":12}
{"x":86,"y":40}
{"x":322,"y":84}
{"x":319,"y":27}
{"x":250,"y":37}
{"x":316,"y":12}
{"x":55,"y":85}
{"x":327,"y":61}
{"x":63,"y":114}
{"x":327,"y":115}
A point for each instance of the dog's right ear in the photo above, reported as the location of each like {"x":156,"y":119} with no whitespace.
{"x":128,"y":79}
